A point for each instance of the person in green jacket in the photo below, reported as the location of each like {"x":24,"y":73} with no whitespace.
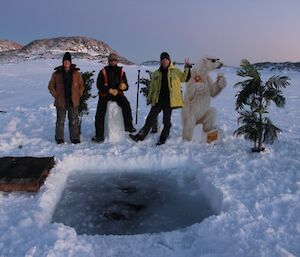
{"x":164,"y":95}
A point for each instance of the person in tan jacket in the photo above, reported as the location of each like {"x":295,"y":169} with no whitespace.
{"x":66,"y":86}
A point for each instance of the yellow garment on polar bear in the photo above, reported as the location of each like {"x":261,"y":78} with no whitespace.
{"x":175,"y":78}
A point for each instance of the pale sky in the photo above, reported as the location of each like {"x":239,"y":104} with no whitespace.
{"x":260,"y":30}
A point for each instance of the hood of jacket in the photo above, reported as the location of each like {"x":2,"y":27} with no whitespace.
{"x":61,"y":67}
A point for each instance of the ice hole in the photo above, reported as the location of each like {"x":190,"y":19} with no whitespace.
{"x":130,"y":203}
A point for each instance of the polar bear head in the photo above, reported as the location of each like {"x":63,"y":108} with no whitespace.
{"x":205,"y":65}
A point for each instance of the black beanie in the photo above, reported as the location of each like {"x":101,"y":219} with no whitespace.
{"x":67,"y":56}
{"x":165,"y":55}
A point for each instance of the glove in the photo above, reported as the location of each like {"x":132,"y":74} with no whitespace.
{"x":123,"y":86}
{"x":113,"y":92}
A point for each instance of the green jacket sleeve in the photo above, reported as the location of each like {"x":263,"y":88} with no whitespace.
{"x":183,"y":75}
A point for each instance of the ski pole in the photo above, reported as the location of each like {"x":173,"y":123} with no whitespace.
{"x":137,"y":97}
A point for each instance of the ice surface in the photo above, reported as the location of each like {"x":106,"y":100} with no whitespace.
{"x":130,"y":203}
{"x":256,"y":196}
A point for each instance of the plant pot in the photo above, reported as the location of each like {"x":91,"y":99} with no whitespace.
{"x":257,"y":150}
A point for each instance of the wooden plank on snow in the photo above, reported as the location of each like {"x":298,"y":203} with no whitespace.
{"x":24,"y":173}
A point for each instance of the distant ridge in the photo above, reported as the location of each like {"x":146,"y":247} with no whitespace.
{"x":150,"y":63}
{"x":157,"y":63}
{"x":53,"y":48}
{"x":7,"y":45}
{"x":281,"y":66}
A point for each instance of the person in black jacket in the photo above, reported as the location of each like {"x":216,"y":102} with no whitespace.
{"x":111,"y":83}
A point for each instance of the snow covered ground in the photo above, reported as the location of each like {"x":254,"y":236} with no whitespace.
{"x":256,"y":196}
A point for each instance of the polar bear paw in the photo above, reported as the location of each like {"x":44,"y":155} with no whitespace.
{"x":221,"y":80}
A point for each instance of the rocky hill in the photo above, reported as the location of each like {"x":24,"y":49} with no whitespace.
{"x":7,"y":45}
{"x":54,"y":48}
{"x":150,"y":63}
{"x":280,"y":66}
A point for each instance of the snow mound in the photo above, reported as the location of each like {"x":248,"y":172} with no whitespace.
{"x":114,"y":128}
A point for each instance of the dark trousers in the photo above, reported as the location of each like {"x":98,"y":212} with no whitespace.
{"x":122,"y":101}
{"x":73,"y":123}
{"x":152,"y":119}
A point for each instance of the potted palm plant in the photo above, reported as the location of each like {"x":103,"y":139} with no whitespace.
{"x":83,"y":104}
{"x":145,"y":91}
{"x":252,"y":103}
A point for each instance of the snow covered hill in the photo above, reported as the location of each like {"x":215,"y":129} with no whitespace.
{"x":53,"y":48}
{"x":150,"y":63}
{"x":278,"y":66}
{"x":7,"y":45}
{"x":255,"y":197}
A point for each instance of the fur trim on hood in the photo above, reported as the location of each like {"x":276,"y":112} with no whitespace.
{"x":73,"y":67}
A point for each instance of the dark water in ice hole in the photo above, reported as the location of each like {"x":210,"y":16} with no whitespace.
{"x":129,"y":203}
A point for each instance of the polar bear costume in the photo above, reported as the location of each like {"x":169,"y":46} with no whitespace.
{"x":200,"y":88}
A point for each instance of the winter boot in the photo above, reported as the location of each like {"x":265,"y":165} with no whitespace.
{"x":76,"y":141}
{"x":98,"y":139}
{"x":140,"y":136}
{"x":161,"y":141}
{"x":135,"y":138}
{"x":131,"y":129}
{"x":59,"y":141}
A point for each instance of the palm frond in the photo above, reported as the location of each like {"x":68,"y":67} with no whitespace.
{"x":248,"y":70}
{"x":248,"y":131}
{"x":247,"y":93}
{"x":88,"y":82}
{"x":278,"y":82}
{"x":254,"y":104}
{"x":275,"y":95}
{"x":270,"y":131}
{"x":146,"y":82}
{"x":149,"y":73}
{"x":243,"y":84}
{"x":248,"y":117}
